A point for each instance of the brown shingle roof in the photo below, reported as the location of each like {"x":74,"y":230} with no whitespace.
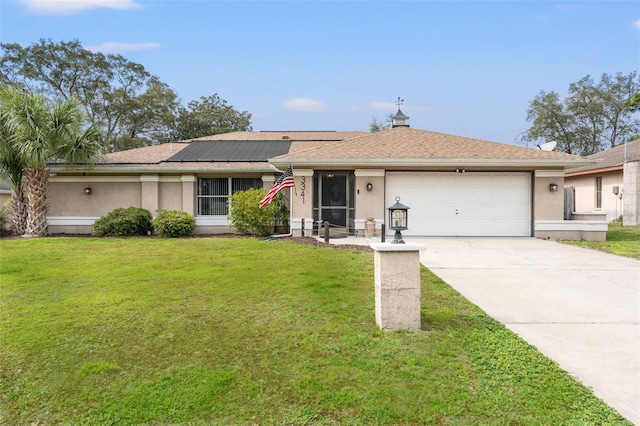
{"x":414,"y":144}
{"x":158,"y":153}
{"x":613,"y":157}
{"x":146,"y":155}
{"x":401,"y":146}
{"x":199,"y":166}
{"x":154,"y":158}
{"x":271,"y":135}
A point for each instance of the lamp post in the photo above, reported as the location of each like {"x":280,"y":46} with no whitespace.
{"x":397,"y":277}
{"x":398,"y":220}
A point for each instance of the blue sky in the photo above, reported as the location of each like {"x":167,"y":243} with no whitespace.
{"x":468,"y":68}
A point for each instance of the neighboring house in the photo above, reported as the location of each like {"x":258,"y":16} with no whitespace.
{"x":454,"y":186}
{"x":611,"y":186}
{"x":5,"y":191}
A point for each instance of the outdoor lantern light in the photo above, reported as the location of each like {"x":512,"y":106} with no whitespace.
{"x":87,"y":191}
{"x":369,"y":187}
{"x":398,"y":220}
{"x":553,"y":187}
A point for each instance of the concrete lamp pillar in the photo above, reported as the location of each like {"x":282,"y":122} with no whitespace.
{"x":397,"y":285}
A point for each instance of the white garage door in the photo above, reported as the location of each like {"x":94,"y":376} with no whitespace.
{"x":463,"y":204}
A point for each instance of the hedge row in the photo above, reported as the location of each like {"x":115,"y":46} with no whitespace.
{"x":134,"y":221}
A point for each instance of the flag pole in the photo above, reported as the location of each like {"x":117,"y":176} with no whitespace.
{"x":290,"y":233}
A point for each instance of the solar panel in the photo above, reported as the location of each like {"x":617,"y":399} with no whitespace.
{"x":231,"y":151}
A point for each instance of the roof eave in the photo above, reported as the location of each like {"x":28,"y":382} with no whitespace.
{"x":438,"y":162}
{"x":595,"y":171}
{"x":118,"y":169}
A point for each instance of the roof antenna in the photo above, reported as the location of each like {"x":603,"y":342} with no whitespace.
{"x":549,"y":146}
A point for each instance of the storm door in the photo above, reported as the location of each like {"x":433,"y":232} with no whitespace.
{"x":335,"y":201}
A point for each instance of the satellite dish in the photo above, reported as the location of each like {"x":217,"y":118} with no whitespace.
{"x":548,"y":146}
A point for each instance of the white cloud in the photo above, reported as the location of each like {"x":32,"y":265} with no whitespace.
{"x":383,"y":106}
{"x":114,"y":47}
{"x":71,"y":7}
{"x":302,"y":104}
{"x":636,"y":24}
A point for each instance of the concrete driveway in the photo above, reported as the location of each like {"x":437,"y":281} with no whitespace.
{"x":579,"y":307}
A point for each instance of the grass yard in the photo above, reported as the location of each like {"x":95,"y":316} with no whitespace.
{"x":208,"y":331}
{"x":621,"y":240}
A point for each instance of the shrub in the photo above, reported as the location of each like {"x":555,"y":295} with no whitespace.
{"x":124,"y":223}
{"x":246,"y":215}
{"x":5,"y":228}
{"x":174,"y":223}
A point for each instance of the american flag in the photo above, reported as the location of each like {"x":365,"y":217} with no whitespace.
{"x":285,"y":181}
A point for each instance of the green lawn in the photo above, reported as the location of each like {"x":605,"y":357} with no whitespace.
{"x":621,"y":240}
{"x":208,"y":331}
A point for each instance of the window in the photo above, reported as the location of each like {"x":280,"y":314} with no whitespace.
{"x":598,"y":192}
{"x":213,"y":193}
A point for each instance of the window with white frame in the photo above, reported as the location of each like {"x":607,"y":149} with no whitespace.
{"x":598,"y":192}
{"x":213,"y":193}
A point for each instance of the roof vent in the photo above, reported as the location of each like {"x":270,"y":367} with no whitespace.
{"x":285,"y":137}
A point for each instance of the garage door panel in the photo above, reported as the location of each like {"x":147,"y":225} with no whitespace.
{"x":469,"y":204}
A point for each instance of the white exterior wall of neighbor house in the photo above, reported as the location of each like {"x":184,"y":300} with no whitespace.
{"x":631,"y":197}
{"x":585,"y":193}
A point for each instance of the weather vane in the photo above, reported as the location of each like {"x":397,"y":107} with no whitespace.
{"x":399,"y":102}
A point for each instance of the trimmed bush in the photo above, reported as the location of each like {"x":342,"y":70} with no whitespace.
{"x":5,"y":228}
{"x":122,"y":222}
{"x":174,"y":224}
{"x":246,"y":215}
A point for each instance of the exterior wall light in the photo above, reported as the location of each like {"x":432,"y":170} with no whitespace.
{"x":398,"y":219}
{"x":87,"y":191}
{"x":553,"y":187}
{"x":369,"y":187}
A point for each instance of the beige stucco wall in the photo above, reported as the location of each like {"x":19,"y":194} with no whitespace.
{"x":68,"y":198}
{"x":154,"y":192}
{"x":548,"y":205}
{"x":301,"y":202}
{"x":370,"y":203}
{"x":302,"y":195}
{"x":69,"y":205}
{"x":170,"y":195}
{"x":73,"y":211}
{"x":585,"y":190}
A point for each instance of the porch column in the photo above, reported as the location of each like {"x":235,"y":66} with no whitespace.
{"x":631,"y":194}
{"x":302,"y":202}
{"x":369,"y":198}
{"x":268,"y":181}
{"x":149,"y":197}
{"x":188,"y":193}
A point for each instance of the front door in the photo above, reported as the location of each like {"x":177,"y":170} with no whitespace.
{"x":334,"y":199}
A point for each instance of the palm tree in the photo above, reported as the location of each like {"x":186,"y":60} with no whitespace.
{"x":42,"y":133}
{"x":10,"y":162}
